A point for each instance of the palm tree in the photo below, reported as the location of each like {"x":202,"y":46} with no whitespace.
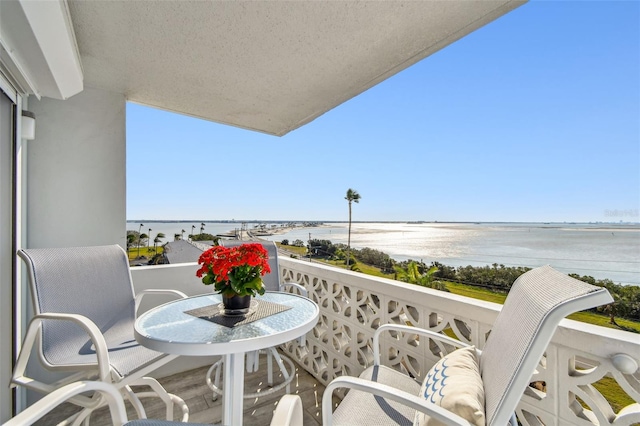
{"x":201,"y":228}
{"x":131,"y":239}
{"x":352,"y":196}
{"x":142,"y":237}
{"x":139,"y":230}
{"x":148,"y":240}
{"x":156,"y":240}
{"x":411,"y":274}
{"x":193,"y":229}
{"x":182,"y":234}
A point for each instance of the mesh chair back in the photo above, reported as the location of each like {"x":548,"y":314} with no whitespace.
{"x":537,"y":302}
{"x":271,"y":280}
{"x":91,"y":281}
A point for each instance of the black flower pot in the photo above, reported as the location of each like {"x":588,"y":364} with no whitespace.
{"x":236,"y":304}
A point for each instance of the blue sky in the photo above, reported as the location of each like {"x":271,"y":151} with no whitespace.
{"x":532,"y":118}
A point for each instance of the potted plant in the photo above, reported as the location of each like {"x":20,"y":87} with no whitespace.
{"x":235,"y":272}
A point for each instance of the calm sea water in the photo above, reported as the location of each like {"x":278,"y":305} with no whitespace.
{"x":599,"y":250}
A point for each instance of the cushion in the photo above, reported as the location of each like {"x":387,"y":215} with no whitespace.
{"x":454,"y":383}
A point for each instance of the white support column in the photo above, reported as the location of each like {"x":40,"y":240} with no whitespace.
{"x":233,"y":386}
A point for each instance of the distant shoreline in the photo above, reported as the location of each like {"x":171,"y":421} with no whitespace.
{"x":604,"y":250}
{"x":595,"y":225}
{"x":567,"y":226}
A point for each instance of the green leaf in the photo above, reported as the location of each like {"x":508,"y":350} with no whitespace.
{"x":237,"y":287}
{"x":432,"y":270}
{"x":255,"y":283}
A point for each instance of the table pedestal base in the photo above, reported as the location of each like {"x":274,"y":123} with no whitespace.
{"x":232,"y":399}
{"x":215,"y":375}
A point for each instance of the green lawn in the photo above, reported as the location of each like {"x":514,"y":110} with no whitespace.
{"x":369,"y":270}
{"x":613,"y":393}
{"x":588,"y":317}
{"x":603,"y":320}
{"x":361,"y":267}
{"x":476,"y":292}
{"x":299,"y":251}
{"x":144,"y":251}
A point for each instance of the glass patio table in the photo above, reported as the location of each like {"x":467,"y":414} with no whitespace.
{"x":169,"y":329}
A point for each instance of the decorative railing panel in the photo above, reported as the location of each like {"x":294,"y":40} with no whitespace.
{"x":565,"y":390}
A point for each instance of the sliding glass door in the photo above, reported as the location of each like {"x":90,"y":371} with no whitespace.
{"x":7,"y":258}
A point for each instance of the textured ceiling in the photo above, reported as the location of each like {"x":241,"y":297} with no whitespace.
{"x":270,"y":66}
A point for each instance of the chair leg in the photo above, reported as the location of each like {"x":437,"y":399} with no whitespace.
{"x":253,"y":361}
{"x":82,"y":418}
{"x":86,"y":421}
{"x":283,"y":369}
{"x":256,"y":361}
{"x":183,"y":405}
{"x":173,"y":399}
{"x":157,"y":391}
{"x":162,"y":394}
{"x":215,"y":371}
{"x":135,"y":401}
{"x":249,"y":362}
{"x":218,"y":378}
{"x":270,"y":367}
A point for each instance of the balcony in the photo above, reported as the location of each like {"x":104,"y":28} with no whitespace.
{"x":353,"y":305}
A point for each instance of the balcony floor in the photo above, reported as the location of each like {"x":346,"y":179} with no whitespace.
{"x":191,"y":387}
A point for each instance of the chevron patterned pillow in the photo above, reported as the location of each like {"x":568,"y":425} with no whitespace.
{"x":454,"y":383}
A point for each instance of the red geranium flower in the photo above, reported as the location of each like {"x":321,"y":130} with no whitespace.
{"x":235,"y":270}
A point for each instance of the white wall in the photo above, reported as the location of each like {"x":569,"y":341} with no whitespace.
{"x":76,"y":171}
{"x":76,"y":178}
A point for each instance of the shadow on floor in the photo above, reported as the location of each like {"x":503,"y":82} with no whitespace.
{"x":191,"y":386}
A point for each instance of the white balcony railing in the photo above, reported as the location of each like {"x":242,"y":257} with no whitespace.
{"x":353,"y":305}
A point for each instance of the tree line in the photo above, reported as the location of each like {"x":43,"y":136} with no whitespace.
{"x":495,"y":277}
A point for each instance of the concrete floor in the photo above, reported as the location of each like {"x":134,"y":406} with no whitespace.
{"x":192,"y":388}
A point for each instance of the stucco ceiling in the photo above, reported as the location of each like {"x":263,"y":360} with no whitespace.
{"x":270,"y":66}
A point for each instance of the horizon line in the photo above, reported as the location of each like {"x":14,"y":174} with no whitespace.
{"x":375,"y":221}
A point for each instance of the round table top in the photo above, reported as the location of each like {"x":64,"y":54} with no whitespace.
{"x":168,"y":329}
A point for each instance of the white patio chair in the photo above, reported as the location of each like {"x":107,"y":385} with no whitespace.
{"x":272,"y":282}
{"x":107,"y":392}
{"x":537,"y":302}
{"x":85,"y":309}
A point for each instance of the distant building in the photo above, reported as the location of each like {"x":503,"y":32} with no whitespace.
{"x":181,"y":251}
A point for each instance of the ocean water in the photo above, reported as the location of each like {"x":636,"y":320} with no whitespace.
{"x":600,"y":250}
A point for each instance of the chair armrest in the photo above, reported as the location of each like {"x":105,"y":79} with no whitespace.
{"x":414,"y":330}
{"x":513,"y":421}
{"x":57,"y":397}
{"x":413,"y":401}
{"x":303,"y":291}
{"x":31,"y":335}
{"x":288,"y":412}
{"x":139,"y":296}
